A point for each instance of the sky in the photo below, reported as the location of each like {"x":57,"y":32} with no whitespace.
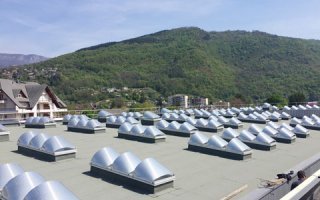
{"x":55,"y":27}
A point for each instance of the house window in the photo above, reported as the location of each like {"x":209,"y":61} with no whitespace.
{"x":1,"y":96}
{"x":46,"y":106}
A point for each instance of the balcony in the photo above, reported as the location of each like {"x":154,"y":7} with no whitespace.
{"x":7,"y":110}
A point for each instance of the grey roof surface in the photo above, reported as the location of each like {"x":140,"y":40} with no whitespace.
{"x":198,"y":176}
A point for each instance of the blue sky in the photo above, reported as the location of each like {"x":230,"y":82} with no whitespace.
{"x":56,"y":27}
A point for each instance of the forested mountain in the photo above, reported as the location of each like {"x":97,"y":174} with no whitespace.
{"x":218,"y":65}
{"x":7,"y":60}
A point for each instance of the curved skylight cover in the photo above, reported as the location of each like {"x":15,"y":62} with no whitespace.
{"x":56,"y":144}
{"x":270,"y":131}
{"x":174,"y":126}
{"x":165,"y":110}
{"x":125,"y":163}
{"x":120,"y":120}
{"x":37,"y":141}
{"x":265,"y":139}
{"x":284,"y":125}
{"x":125,"y":128}
{"x":35,"y":120}
{"x":92,"y":124}
{"x":222,"y":120}
{"x":38,"y":120}
{"x":73,"y":122}
{"x":50,"y":190}
{"x":189,"y":112}
{"x":234,"y":121}
{"x":150,"y":115}
{"x":19,"y":186}
{"x":192,"y":121}
{"x":29,"y":120}
{"x":128,"y":164}
{"x":112,"y":120}
{"x":252,"y":117}
{"x":163,"y":124}
{"x":285,"y":133}
{"x":141,"y":131}
{"x":138,"y":129}
{"x":236,"y":146}
{"x":307,"y":121}
{"x":25,"y":138}
{"x":246,"y":136}
{"x":298,"y":129}
{"x":7,"y":172}
{"x":151,"y":171}
{"x":198,"y":139}
{"x":166,"y":116}
{"x":104,"y":114}
{"x":104,"y":158}
{"x":214,"y":124}
{"x":273,"y":125}
{"x":137,"y":115}
{"x":254,"y":129}
{"x":242,"y":116}
{"x":201,"y":122}
{"x":216,"y":142}
{"x":66,"y":118}
{"x":315,"y":117}
{"x":197,"y":113}
{"x":229,"y":133}
{"x":285,"y":115}
{"x":212,"y":117}
{"x":152,"y":132}
{"x":187,"y":128}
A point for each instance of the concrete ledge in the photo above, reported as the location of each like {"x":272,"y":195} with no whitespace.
{"x":176,"y":133}
{"x":260,"y":146}
{"x":198,"y":117}
{"x":209,"y":129}
{"x":257,"y":146}
{"x":44,"y":156}
{"x":317,"y":128}
{"x":89,"y":131}
{"x":149,"y":122}
{"x":40,"y":125}
{"x":102,"y":119}
{"x":129,"y":182}
{"x":302,"y":135}
{"x":223,"y":154}
{"x":253,"y":121}
{"x":113,"y":125}
{"x":179,"y":121}
{"x":286,"y":141}
{"x":141,"y":139}
{"x":309,"y":166}
{"x":233,"y":126}
{"x":4,"y":138}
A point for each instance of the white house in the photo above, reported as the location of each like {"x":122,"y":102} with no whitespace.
{"x":19,"y":101}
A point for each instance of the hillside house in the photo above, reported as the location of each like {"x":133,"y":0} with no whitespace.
{"x":19,"y":101}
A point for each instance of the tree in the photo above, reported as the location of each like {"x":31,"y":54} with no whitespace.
{"x":117,"y":103}
{"x":297,"y":98}
{"x":277,"y":100}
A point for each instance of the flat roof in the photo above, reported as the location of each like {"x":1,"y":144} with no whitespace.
{"x":198,"y":176}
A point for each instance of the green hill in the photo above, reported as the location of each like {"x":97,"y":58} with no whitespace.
{"x":218,"y":65}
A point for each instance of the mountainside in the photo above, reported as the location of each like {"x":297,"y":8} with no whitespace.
{"x":7,"y":60}
{"x":218,"y":65}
